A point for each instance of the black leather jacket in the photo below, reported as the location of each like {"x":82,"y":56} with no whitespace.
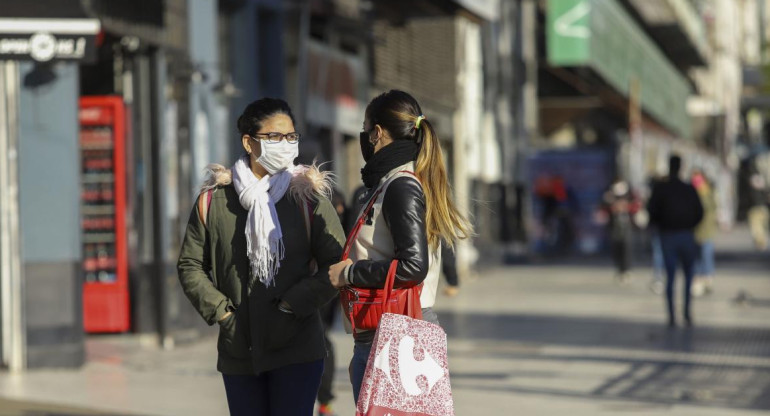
{"x":403,"y":209}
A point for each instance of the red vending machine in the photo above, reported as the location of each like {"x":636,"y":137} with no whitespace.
{"x":103,"y":205}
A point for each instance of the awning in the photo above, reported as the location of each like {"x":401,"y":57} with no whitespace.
{"x":486,"y":9}
{"x":600,"y":35}
{"x":46,"y":30}
{"x":679,"y":29}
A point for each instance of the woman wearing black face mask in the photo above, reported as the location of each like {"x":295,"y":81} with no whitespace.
{"x":408,"y":220}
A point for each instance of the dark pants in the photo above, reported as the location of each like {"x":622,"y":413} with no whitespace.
{"x":679,"y":247}
{"x":621,"y":255}
{"x":449,"y":265}
{"x":358,"y":367}
{"x":325,"y":391}
{"x":328,"y":312}
{"x":285,"y":391}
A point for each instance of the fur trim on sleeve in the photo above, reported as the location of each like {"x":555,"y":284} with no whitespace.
{"x":312,"y":183}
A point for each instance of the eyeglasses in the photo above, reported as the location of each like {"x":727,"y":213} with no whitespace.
{"x":273,"y":138}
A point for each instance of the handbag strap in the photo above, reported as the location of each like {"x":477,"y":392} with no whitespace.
{"x":203,"y":206}
{"x":357,"y":228}
{"x":390,"y":280}
{"x":354,"y":232}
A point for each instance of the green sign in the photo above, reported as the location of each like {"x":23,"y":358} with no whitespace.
{"x":569,"y":32}
{"x":601,"y":35}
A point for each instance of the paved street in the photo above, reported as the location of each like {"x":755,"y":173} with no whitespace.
{"x":528,"y":340}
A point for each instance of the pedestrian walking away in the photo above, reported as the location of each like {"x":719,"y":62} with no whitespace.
{"x":705,"y":233}
{"x":658,"y":265}
{"x":620,"y":205}
{"x":449,"y":270}
{"x":675,"y":209}
{"x":255,"y":260}
{"x":412,"y":211}
{"x":758,"y":213}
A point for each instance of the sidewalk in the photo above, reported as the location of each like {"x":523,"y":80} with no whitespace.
{"x":528,"y":340}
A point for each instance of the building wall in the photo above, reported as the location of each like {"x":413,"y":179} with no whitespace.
{"x":439,"y":61}
{"x":419,"y":57}
{"x":49,"y":201}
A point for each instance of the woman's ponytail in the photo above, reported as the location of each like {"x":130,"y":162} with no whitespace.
{"x":444,"y":221}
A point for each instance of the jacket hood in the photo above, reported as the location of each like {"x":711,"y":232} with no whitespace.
{"x":308,"y":183}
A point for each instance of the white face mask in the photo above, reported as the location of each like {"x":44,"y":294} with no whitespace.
{"x":277,"y":156}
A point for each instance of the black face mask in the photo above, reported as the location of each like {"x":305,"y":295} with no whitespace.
{"x":367,"y":148}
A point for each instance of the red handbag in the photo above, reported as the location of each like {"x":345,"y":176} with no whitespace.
{"x":365,"y":306}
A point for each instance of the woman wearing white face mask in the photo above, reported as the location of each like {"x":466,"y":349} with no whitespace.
{"x":255,"y":260}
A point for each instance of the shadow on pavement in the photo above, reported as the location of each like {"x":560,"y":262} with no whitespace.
{"x":661,"y":368}
{"x":667,"y":384}
{"x":24,"y":408}
{"x":610,"y":333}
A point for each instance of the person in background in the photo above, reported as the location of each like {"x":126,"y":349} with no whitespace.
{"x":658,"y":265}
{"x":758,"y":215}
{"x":411,"y":216}
{"x":246,"y":263}
{"x":704,"y":235}
{"x":328,"y":314}
{"x":558,"y":208}
{"x":621,"y":206}
{"x":449,"y":269}
{"x":675,"y":209}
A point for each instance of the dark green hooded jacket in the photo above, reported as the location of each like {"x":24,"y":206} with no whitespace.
{"x":214,"y":272}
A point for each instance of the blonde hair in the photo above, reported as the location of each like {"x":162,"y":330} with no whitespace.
{"x":400,"y":114}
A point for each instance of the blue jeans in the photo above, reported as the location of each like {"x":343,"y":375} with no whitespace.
{"x":361,"y":356}
{"x":289,"y":390}
{"x":705,"y":264}
{"x":358,"y":367}
{"x":679,"y":247}
{"x":658,"y":265}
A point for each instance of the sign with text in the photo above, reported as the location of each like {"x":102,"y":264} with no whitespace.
{"x":44,"y":40}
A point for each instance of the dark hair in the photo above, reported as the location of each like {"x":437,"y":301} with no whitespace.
{"x":674,"y":165}
{"x":398,"y":113}
{"x":389,"y":110}
{"x":257,"y":112}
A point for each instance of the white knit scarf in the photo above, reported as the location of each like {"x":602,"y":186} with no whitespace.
{"x":264,"y":239}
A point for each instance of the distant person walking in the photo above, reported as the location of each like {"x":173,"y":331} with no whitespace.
{"x":449,"y":269}
{"x":704,"y":236}
{"x":658,"y":265}
{"x":758,"y":215}
{"x":675,"y":209}
{"x":620,"y":205}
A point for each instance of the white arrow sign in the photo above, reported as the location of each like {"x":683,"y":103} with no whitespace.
{"x":565,"y":25}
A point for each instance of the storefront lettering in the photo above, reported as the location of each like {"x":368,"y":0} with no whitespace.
{"x":43,"y":47}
